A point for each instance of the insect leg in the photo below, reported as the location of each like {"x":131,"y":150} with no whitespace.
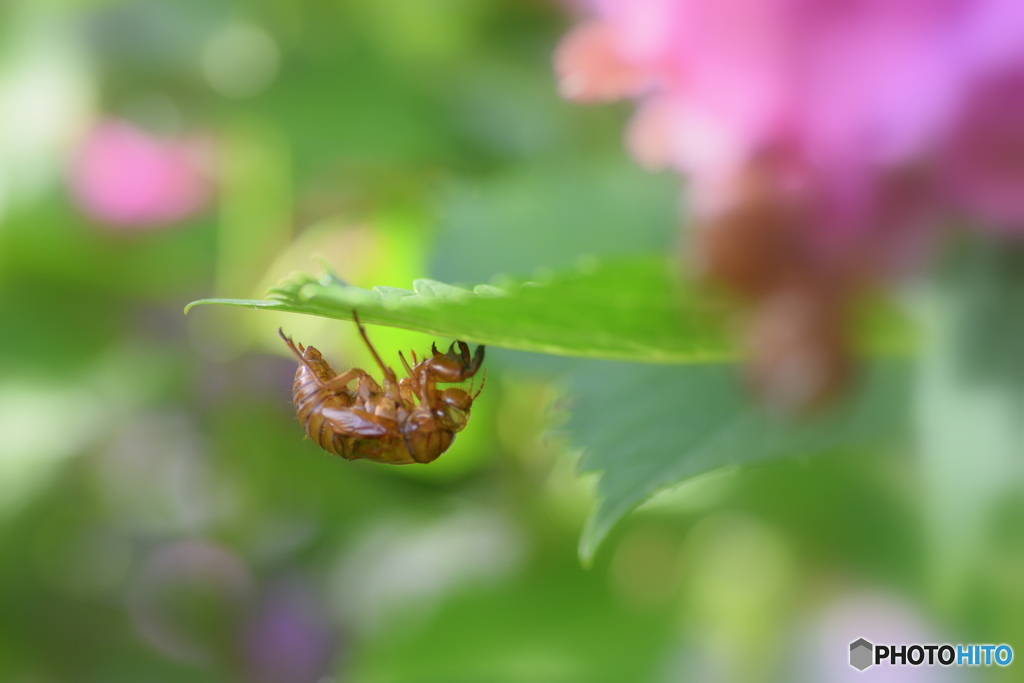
{"x":299,"y":355}
{"x":408,"y":391}
{"x":388,"y":372}
{"x":413,"y":380}
{"x":344,"y":379}
{"x":405,"y":363}
{"x":483,"y":381}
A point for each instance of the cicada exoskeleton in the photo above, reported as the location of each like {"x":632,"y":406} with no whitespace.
{"x":400,"y":422}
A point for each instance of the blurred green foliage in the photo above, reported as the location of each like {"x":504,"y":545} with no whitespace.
{"x":631,"y":309}
{"x":161,"y":518}
{"x":658,"y":439}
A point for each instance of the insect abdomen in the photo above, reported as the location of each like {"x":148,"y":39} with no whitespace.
{"x":310,"y":399}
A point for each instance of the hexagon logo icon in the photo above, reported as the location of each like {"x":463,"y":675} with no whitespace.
{"x":860,"y":654}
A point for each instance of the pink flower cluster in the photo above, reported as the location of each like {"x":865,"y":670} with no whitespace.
{"x":822,"y":140}
{"x":123,"y":176}
{"x":844,"y":96}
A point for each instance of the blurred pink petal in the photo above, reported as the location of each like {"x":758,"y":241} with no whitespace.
{"x":850,"y":92}
{"x":589,"y":69}
{"x":863,"y":78}
{"x":823,"y":142}
{"x":649,"y":136}
{"x":124,"y":176}
{"x":984,"y":162}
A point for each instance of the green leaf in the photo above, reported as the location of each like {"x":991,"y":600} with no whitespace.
{"x":646,"y":428}
{"x":635,"y":309}
{"x":632,"y":309}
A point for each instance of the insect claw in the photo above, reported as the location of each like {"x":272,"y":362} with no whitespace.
{"x":289,"y":342}
{"x":464,"y":352}
{"x":433,"y":348}
{"x":405,"y":363}
{"x":478,"y":359}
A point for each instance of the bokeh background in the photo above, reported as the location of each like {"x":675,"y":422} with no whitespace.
{"x":161,"y":516}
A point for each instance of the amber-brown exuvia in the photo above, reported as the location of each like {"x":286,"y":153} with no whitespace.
{"x":405,"y":421}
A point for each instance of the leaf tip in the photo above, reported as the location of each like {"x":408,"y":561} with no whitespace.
{"x":590,"y":541}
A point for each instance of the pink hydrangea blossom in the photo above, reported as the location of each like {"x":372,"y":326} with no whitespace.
{"x":983,"y":158}
{"x":851,"y":92}
{"x":123,"y":176}
{"x":823,"y":141}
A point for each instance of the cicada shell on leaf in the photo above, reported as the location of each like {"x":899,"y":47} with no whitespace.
{"x":402,"y":421}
